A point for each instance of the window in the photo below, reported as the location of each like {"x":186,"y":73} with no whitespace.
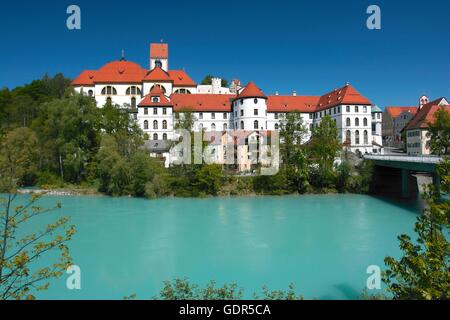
{"x":164,"y":136}
{"x":155,"y":136}
{"x":155,"y":110}
{"x":366,"y":137}
{"x":276,"y":115}
{"x":182,"y":91}
{"x":225,"y":115}
{"x":357,"y":137}
{"x":339,"y":109}
{"x":155,"y":99}
{"x":200,"y":115}
{"x":255,"y":124}
{"x":310,"y":115}
{"x":109,"y":90}
{"x":164,"y":124}
{"x":255,"y":112}
{"x":155,"y":124}
{"x":365,"y":122}
{"x":373,"y":116}
{"x":365,"y":109}
{"x":242,"y":113}
{"x":133,"y":102}
{"x":242,"y":125}
{"x":145,"y":124}
{"x":90,"y":93}
{"x":357,"y":122}
{"x":347,"y":122}
{"x":145,"y":110}
{"x":276,"y":126}
{"x":164,"y":110}
{"x":356,"y":109}
{"x":348,"y":108}
{"x":109,"y":100}
{"x":213,"y":127}
{"x":348,"y":137}
{"x":378,"y":115}
{"x":255,"y":101}
{"x":133,"y":90}
{"x":158,"y":64}
{"x":225,"y":127}
{"x":242,"y":102}
{"x":213,"y":115}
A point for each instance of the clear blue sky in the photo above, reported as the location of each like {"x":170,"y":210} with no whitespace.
{"x":308,"y":46}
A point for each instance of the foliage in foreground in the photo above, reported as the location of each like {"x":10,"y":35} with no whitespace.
{"x":423,"y":273}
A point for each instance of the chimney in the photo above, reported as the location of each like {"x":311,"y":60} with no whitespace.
{"x":294,"y":93}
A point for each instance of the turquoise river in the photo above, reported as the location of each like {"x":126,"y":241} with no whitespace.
{"x":321,"y":243}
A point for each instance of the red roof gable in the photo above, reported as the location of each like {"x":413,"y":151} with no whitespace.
{"x":394,"y":112}
{"x":202,"y":102}
{"x":86,"y":78}
{"x":159,"y":50}
{"x":292,"y":103}
{"x":157,"y":74}
{"x":345,"y":95}
{"x":426,"y":115}
{"x":120,"y":72}
{"x":251,"y":91}
{"x":181,"y":79}
{"x":155,"y":92}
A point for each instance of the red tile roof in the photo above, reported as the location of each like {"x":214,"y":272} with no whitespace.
{"x":120,"y":72}
{"x":159,"y":50}
{"x":292,"y":103}
{"x":345,"y":95}
{"x":202,"y":102}
{"x":155,"y":92}
{"x":426,"y":115}
{"x":181,"y":79}
{"x":86,"y":78}
{"x":394,"y":112}
{"x":158,"y":74}
{"x":251,"y":91}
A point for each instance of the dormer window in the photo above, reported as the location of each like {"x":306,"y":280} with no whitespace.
{"x":158,"y":64}
{"x":155,"y":99}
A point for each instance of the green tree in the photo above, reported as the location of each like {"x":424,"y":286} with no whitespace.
{"x":208,"y":179}
{"x":323,"y":148}
{"x":439,"y":132}
{"x":424,"y":270}
{"x":207,"y":80}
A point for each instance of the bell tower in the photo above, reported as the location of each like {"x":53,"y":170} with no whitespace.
{"x":159,"y":56}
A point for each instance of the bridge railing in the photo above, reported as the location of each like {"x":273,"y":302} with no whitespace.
{"x":404,"y":158}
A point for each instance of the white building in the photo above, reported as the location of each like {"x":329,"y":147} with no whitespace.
{"x":158,"y":95}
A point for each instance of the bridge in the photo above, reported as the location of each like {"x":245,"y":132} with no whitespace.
{"x":392,"y":167}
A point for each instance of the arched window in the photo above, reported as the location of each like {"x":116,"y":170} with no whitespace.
{"x":348,"y":137}
{"x":158,"y":86}
{"x":276,"y":126}
{"x":347,"y":122}
{"x":213,"y":127}
{"x":145,"y":124}
{"x":255,"y":124}
{"x":365,"y":122}
{"x":182,"y":91}
{"x":164,"y":136}
{"x":109,"y":90}
{"x":357,"y":122}
{"x":158,"y":64}
{"x":242,"y":125}
{"x":133,"y":90}
{"x":366,"y":137}
{"x":225,"y":127}
{"x":155,"y":136}
{"x":90,"y":93}
{"x":164,"y":124}
{"x":357,"y":137}
{"x":133,"y":102}
{"x":155,"y":124}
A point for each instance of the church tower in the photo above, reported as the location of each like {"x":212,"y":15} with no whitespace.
{"x":159,"y":56}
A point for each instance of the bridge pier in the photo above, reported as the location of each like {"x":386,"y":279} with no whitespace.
{"x":406,"y":190}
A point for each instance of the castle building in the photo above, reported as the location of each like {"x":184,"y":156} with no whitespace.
{"x":158,"y":95}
